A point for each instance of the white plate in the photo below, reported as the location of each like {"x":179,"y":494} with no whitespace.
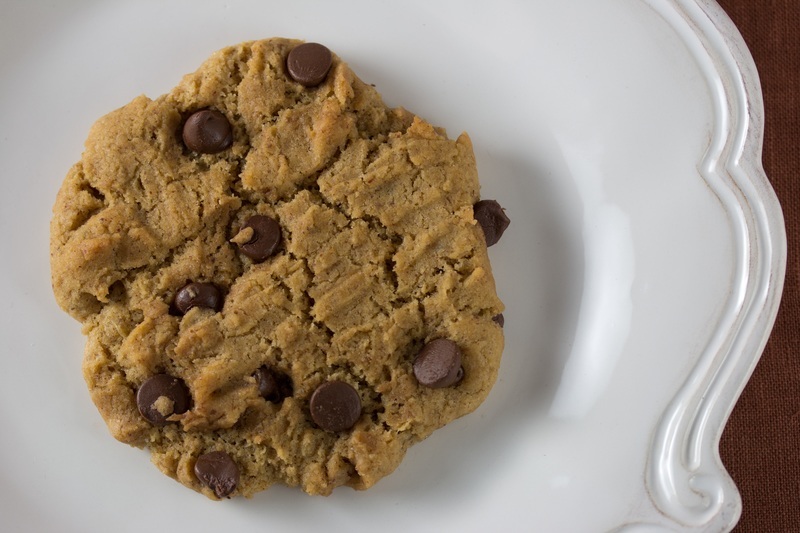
{"x":642,"y":270}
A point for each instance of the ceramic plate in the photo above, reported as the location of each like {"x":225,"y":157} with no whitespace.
{"x":641,"y":272}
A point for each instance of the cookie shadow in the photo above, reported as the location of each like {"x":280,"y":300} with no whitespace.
{"x":539,"y":271}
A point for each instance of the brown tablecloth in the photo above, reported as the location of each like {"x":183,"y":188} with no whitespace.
{"x":761,"y":443}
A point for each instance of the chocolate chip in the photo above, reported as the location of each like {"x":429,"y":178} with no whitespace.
{"x":217,"y":471}
{"x":309,"y":63}
{"x":492,"y":219}
{"x":160,"y":397}
{"x":438,"y":364}
{"x":198,"y":295}
{"x":265,"y":240}
{"x":335,"y":406}
{"x":273,"y":385}
{"x":500,"y":319}
{"x":207,"y":132}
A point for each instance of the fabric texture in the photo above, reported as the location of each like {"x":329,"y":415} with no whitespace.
{"x":760,"y":445}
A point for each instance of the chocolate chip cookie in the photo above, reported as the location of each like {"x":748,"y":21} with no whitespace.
{"x":281,"y":279}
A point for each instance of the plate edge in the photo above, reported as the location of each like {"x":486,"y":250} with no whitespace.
{"x":685,"y":477}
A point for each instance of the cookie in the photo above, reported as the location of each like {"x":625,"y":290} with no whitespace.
{"x":281,"y":279}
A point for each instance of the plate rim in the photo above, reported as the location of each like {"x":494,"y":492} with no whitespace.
{"x":685,"y":477}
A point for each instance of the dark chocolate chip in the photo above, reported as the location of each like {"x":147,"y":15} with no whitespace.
{"x":198,"y":295}
{"x":309,"y":63}
{"x":500,"y":319}
{"x":492,"y":218}
{"x":265,"y":240}
{"x":217,"y":471}
{"x":335,"y":406}
{"x":438,"y":364}
{"x":160,"y":397}
{"x":207,"y":131}
{"x":273,"y":385}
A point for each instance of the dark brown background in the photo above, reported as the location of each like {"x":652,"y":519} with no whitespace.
{"x":761,"y":443}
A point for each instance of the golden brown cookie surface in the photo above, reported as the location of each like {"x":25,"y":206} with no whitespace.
{"x":258,"y":257}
